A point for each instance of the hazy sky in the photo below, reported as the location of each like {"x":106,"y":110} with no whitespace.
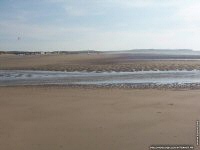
{"x":99,"y":24}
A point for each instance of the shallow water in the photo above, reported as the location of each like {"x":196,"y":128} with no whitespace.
{"x":19,"y":77}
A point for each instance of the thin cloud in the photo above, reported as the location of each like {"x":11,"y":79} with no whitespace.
{"x":190,"y":13}
{"x":40,"y":31}
{"x":73,"y":11}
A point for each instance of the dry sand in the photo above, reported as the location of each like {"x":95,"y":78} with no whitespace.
{"x":55,"y":118}
{"x":93,"y":62}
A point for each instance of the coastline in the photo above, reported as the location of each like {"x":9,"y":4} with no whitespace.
{"x":122,"y":80}
{"x":114,"y":117}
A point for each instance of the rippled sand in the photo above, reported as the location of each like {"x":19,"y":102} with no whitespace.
{"x":93,"y":62}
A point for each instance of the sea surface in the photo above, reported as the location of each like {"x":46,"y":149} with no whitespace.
{"x":138,"y":78}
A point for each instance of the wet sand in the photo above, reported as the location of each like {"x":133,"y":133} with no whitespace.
{"x":93,"y":62}
{"x":54,"y":118}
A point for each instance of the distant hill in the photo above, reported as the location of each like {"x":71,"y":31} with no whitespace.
{"x":160,"y":51}
{"x":133,"y":52}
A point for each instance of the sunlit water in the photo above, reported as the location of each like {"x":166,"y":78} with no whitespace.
{"x":18,"y":77}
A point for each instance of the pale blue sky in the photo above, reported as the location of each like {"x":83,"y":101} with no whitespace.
{"x":99,"y":24}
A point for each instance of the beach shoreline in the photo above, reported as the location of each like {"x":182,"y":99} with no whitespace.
{"x":114,"y":117}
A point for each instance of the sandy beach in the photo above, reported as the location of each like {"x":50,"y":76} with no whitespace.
{"x":77,"y":117}
{"x":52,"y":118}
